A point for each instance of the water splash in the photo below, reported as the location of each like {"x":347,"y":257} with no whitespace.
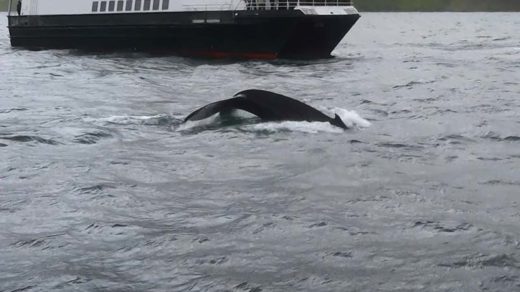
{"x":292,"y":126}
{"x":352,"y":118}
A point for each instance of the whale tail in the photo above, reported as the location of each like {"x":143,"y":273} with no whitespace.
{"x":267,"y":106}
{"x":338,"y":122}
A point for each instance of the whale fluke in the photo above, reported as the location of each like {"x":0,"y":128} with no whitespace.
{"x":267,"y":106}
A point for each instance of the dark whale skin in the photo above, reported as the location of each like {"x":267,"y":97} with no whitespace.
{"x":268,"y":106}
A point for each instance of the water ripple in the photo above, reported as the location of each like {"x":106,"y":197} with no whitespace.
{"x":28,"y":138}
{"x":102,"y":187}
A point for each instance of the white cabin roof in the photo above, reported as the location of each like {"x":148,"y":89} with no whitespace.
{"x":74,"y":7}
{"x":77,"y":7}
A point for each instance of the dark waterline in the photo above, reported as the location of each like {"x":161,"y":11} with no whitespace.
{"x":101,"y":190}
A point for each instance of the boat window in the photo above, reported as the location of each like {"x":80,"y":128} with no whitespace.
{"x":95,"y":6}
{"x":120,"y":5}
{"x":165,"y":4}
{"x":128,"y":5}
{"x":146,"y":5}
{"x":111,"y":5}
{"x":103,"y":6}
{"x":155,"y":4}
{"x":137,"y":5}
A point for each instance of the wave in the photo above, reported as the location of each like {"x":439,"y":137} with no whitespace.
{"x":443,"y":227}
{"x":455,"y":139}
{"x":481,"y":260}
{"x":401,"y":145}
{"x":91,"y":137}
{"x":497,"y":137}
{"x":292,"y":126}
{"x":155,"y":120}
{"x":352,"y":118}
{"x":29,"y":138}
{"x":16,"y":109}
{"x":97,"y":188}
{"x":501,"y":182}
{"x":412,"y":84}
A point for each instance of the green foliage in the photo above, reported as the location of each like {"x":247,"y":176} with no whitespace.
{"x":3,"y":5}
{"x":438,"y":5}
{"x":420,"y":5}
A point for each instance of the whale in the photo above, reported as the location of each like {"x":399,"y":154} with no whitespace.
{"x":266,"y":105}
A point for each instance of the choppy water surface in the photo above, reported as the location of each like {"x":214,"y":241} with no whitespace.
{"x":101,"y":190}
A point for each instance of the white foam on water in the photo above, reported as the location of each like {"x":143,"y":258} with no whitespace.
{"x":128,"y":120}
{"x":351,"y":118}
{"x":305,"y":127}
{"x":189,"y":125}
{"x":212,"y":119}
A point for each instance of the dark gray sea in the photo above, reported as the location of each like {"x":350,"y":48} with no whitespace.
{"x":102,"y":189}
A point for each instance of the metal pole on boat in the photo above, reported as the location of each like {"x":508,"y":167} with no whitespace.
{"x":9,"y":8}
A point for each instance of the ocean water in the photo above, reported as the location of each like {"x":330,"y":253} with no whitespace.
{"x":102,"y":189}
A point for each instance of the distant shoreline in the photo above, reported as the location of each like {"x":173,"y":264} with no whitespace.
{"x":417,"y":6}
{"x":438,"y":11}
{"x":2,"y":9}
{"x":410,"y":11}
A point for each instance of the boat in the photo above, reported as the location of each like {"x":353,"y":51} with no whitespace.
{"x":249,"y":29}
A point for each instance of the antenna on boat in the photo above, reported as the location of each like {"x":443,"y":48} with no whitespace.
{"x":9,"y":8}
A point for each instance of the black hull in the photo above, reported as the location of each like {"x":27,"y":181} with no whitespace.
{"x":218,"y":34}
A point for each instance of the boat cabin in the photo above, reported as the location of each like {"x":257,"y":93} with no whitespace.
{"x":68,"y":7}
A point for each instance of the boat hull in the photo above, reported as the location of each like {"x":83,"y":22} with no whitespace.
{"x":217,"y":34}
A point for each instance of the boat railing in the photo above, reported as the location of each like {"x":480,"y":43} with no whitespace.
{"x":291,"y":4}
{"x":9,"y":6}
{"x":266,"y":4}
{"x":209,"y":7}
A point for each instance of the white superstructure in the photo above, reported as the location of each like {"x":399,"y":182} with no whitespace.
{"x":74,"y":7}
{"x":78,"y":7}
